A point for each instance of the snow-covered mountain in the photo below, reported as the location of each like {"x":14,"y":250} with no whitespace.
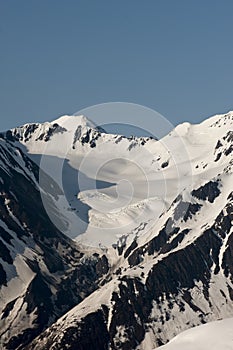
{"x":42,"y":272}
{"x":151,"y":223}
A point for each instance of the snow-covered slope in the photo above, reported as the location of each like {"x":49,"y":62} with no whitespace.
{"x":214,"y":336}
{"x":102,"y":171}
{"x":40,"y":268}
{"x":153,"y":220}
{"x":116,"y":184}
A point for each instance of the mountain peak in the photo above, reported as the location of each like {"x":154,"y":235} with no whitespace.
{"x":72,"y":121}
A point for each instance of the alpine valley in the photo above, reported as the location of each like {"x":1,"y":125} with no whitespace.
{"x":114,"y":242}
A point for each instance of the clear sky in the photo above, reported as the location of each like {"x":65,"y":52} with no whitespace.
{"x":59,"y":56}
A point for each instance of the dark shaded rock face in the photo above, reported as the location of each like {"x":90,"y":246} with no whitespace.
{"x":26,"y":132}
{"x":90,"y":334}
{"x":54,"y":129}
{"x":102,"y":266}
{"x":87,"y":136}
{"x":224,"y":147}
{"x":209,"y":191}
{"x":15,"y":135}
{"x":131,"y":308}
{"x":165,"y":164}
{"x":90,"y":137}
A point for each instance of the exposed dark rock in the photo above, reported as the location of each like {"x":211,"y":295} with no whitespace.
{"x":54,"y":129}
{"x":229,"y":150}
{"x":131,"y":248}
{"x":102,"y":266}
{"x":185,"y":210}
{"x":91,"y":333}
{"x":209,"y":191}
{"x":165,"y":164}
{"x":182,"y":268}
{"x":175,"y":242}
{"x":218,"y":156}
{"x":89,"y":137}
{"x":7,"y":309}
{"x":219,"y":144}
{"x":155,"y":245}
{"x":2,"y":276}
{"x":229,"y":136}
{"x":5,"y":253}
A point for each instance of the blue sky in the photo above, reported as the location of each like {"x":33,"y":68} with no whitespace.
{"x":60,"y":56}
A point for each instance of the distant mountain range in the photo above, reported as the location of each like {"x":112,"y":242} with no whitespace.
{"x":114,"y":242}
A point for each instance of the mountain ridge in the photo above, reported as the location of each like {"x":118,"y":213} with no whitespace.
{"x":164,"y":267}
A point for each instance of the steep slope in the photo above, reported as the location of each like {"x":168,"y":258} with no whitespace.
{"x":180,"y":278}
{"x":95,"y":171}
{"x":164,"y":249}
{"x":42,"y":272}
{"x":215,"y":335}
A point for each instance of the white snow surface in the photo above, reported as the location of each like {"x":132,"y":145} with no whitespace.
{"x":121,"y":184}
{"x":212,"y":336}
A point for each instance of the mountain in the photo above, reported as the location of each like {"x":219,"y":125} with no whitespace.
{"x":42,"y":272}
{"x":113,"y":242}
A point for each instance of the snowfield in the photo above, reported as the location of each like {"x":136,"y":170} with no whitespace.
{"x":111,"y":184}
{"x":213,"y":336}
